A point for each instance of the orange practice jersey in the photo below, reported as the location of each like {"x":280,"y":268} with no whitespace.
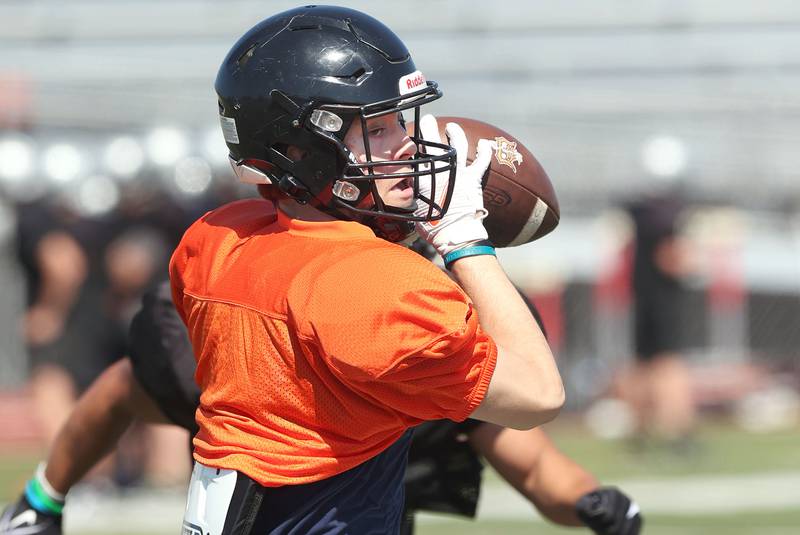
{"x":317,"y":343}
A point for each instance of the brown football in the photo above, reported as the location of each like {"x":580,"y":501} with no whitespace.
{"x":517,"y":192}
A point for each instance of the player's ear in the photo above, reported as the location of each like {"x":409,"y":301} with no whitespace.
{"x":295,"y":153}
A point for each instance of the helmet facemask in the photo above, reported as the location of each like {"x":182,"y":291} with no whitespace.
{"x":355,"y":189}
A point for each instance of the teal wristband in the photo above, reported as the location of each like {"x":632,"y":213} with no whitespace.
{"x":39,"y":499}
{"x":481,"y":248}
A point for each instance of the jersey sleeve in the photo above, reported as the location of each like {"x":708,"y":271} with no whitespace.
{"x":403,"y":335}
{"x":182,"y":271}
{"x":177,"y":265}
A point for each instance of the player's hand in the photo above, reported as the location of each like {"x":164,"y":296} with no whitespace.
{"x":21,"y":518}
{"x":462,"y":224}
{"x":607,"y":511}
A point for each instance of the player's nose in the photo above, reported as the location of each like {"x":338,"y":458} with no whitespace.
{"x":405,"y":147}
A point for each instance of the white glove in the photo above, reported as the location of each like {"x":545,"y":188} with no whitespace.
{"x":463,"y":222}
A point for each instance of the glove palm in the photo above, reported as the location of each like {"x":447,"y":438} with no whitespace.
{"x":462,"y":224}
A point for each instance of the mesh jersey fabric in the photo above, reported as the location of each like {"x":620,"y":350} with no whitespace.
{"x":317,"y":343}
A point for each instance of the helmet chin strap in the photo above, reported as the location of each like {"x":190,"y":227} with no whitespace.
{"x":393,"y":230}
{"x":387,"y":227}
{"x":294,"y":189}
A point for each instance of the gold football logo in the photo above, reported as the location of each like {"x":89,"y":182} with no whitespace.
{"x":506,"y":153}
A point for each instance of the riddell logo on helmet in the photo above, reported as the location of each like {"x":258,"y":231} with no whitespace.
{"x":412,"y":82}
{"x":415,"y":82}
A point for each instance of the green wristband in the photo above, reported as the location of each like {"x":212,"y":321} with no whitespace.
{"x":40,"y":500}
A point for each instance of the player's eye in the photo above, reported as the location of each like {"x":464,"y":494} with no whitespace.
{"x":378,"y":130}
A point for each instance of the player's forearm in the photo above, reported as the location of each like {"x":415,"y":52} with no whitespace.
{"x":91,"y":432}
{"x":80,"y":446}
{"x":560,"y":508}
{"x":557,"y":486}
{"x":533,"y":391}
{"x":101,"y":416}
{"x":531,"y":463}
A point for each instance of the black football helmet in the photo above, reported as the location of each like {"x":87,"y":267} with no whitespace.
{"x":300,"y":78}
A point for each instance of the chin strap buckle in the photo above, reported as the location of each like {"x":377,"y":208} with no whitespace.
{"x":294,"y":189}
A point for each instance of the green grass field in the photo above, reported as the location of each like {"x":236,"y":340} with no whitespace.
{"x":723,"y":449}
{"x":16,"y":466}
{"x":784,"y":523}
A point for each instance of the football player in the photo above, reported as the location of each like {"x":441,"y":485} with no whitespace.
{"x":319,"y":342}
{"x":156,"y":384}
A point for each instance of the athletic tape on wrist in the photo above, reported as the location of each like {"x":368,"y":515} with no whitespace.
{"x":483,"y":247}
{"x":48,"y":488}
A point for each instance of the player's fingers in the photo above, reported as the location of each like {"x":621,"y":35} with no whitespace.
{"x":483,"y":156}
{"x":458,"y":140}
{"x":429,"y":130}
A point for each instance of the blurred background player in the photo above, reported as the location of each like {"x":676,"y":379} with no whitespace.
{"x":85,"y":274}
{"x":659,"y":387}
{"x":68,"y":340}
{"x":156,"y":384}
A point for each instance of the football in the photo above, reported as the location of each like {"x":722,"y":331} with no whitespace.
{"x":517,"y":192}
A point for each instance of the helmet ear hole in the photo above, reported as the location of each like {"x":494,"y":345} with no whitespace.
{"x":295,"y":153}
{"x":281,"y":148}
{"x":289,"y":153}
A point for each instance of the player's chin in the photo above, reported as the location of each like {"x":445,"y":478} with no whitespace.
{"x":398,"y":193}
{"x":403,"y":199}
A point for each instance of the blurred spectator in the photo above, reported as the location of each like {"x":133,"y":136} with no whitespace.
{"x":85,"y":276}
{"x":85,"y":273}
{"x":658,"y":387}
{"x":69,"y":338}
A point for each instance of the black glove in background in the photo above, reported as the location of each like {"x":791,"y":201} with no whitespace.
{"x":607,"y":511}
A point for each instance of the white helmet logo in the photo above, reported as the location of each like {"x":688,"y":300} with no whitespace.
{"x":506,"y":153}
